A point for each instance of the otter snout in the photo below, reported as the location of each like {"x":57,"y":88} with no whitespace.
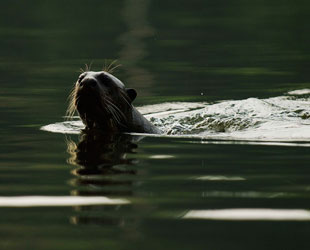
{"x":88,"y":82}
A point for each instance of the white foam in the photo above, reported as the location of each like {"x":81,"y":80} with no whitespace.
{"x":299,"y":92}
{"x":274,"y":119}
{"x":67,"y":127}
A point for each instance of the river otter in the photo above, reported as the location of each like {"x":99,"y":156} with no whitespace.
{"x":104,"y":103}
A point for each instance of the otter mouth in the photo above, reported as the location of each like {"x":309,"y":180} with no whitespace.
{"x":87,"y":101}
{"x":97,"y":110}
{"x":92,"y":109}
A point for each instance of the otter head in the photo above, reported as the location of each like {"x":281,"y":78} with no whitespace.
{"x":102,"y":101}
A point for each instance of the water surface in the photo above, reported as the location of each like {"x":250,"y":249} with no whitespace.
{"x":169,"y":192}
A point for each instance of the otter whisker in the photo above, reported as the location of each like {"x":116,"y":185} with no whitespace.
{"x":77,"y":101}
{"x":109,"y":108}
{"x":116,"y":112}
{"x":110,"y":65}
{"x":124,"y":97}
{"x":119,"y":118}
{"x":115,"y":67}
{"x":104,"y":67}
{"x":88,"y":67}
{"x":115,"y":116}
{"x":116,"y":108}
{"x":113,"y":110}
{"x":72,"y":100}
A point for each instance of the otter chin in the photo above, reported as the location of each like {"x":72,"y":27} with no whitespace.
{"x":103,"y":102}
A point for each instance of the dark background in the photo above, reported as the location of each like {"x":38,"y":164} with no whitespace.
{"x":170,"y":50}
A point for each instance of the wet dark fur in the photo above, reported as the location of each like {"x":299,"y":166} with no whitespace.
{"x":104,"y":103}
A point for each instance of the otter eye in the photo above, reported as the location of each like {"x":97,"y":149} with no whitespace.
{"x":104,"y":78}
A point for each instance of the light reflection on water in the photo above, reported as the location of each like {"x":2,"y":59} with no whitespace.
{"x":244,"y":194}
{"x":52,"y":201}
{"x":250,"y":214}
{"x":220,"y":178}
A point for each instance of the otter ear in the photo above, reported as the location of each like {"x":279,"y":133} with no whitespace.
{"x":132,"y":94}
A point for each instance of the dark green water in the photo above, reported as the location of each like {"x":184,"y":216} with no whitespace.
{"x":170,"y":51}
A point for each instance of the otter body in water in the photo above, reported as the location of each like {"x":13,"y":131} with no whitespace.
{"x":104,"y":103}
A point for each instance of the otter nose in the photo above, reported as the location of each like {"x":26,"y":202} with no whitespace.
{"x":88,"y":82}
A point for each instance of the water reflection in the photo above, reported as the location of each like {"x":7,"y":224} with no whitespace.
{"x":99,"y":158}
{"x":102,"y":169}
